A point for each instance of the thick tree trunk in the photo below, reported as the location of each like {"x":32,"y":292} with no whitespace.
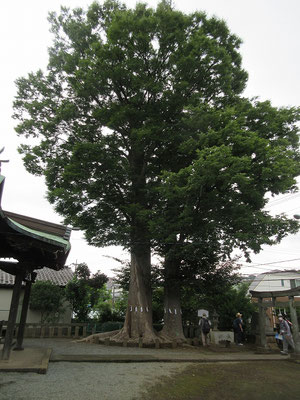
{"x":138,"y":321}
{"x":172,"y":309}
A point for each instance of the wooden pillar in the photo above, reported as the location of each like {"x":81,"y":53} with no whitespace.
{"x":25,"y":305}
{"x":295,"y":324}
{"x":262,"y":323}
{"x":12,"y":316}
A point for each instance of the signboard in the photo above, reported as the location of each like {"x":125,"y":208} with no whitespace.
{"x":201,"y":312}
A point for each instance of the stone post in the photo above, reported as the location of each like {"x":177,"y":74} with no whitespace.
{"x":215,"y":321}
{"x":84,"y":331}
{"x":262,"y":323}
{"x":76,"y":332}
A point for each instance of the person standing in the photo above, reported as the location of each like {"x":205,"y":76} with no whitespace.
{"x":205,"y":325}
{"x":238,"y":329}
{"x":286,"y":333}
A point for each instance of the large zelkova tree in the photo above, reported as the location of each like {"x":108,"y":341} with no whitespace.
{"x":123,"y":114}
{"x":245,"y":152}
{"x":105,"y":117}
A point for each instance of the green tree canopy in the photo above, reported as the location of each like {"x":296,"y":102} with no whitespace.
{"x":84,"y":291}
{"x":47,"y":298}
{"x":244,"y":154}
{"x":106,"y":113}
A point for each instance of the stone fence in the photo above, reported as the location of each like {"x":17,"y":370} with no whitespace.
{"x":38,"y":330}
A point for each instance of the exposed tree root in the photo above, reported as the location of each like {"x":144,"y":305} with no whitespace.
{"x":149,"y":337}
{"x":103,"y":335}
{"x":119,"y":337}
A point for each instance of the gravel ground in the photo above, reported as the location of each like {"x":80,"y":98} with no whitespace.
{"x":86,"y":381}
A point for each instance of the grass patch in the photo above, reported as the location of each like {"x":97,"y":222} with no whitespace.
{"x":230,"y":381}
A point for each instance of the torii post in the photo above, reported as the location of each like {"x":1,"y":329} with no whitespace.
{"x":1,"y":161}
{"x":290,"y":294}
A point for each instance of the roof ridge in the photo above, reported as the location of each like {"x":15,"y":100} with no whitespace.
{"x":60,"y":277}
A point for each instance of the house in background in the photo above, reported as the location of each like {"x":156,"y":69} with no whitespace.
{"x":60,"y":278}
{"x":276,"y":280}
{"x":114,"y":288}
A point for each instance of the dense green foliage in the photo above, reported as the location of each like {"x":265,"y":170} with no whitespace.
{"x":84,"y":291}
{"x":226,"y":302}
{"x":134,"y":73}
{"x":77,"y":293}
{"x":108,"y":308}
{"x":47,"y":298}
{"x":243,"y":152}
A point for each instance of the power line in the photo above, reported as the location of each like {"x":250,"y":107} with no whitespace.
{"x":278,"y":262}
{"x":283,"y":199}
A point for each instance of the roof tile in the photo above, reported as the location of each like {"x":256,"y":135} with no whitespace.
{"x":61,"y":277}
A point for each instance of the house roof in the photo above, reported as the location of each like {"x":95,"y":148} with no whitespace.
{"x":60,"y":278}
{"x":275,"y":293}
{"x":32,"y":241}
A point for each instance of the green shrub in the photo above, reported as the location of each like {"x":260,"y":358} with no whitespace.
{"x":111,"y":326}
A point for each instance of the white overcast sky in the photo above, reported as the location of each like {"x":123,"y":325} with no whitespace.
{"x":270,"y":31}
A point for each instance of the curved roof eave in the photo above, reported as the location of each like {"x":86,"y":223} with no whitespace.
{"x":43,"y":236}
{"x":38,"y":234}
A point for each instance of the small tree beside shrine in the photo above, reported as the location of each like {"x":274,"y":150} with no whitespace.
{"x":47,"y":298}
{"x":84,"y":291}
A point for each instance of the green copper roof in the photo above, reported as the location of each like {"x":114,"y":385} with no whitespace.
{"x":53,"y":239}
{"x":33,"y":242}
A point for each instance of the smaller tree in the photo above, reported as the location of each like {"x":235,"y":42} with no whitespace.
{"x":78,"y":293}
{"x":120,"y":306}
{"x":47,"y":298}
{"x":96,"y":284}
{"x":83,"y":291}
{"x":102,"y":309}
{"x":227,"y":304}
